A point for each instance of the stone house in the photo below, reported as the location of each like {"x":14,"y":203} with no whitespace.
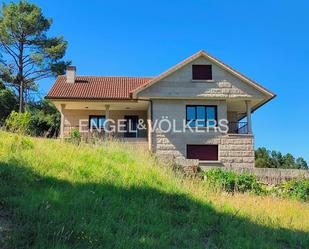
{"x":179,"y":113}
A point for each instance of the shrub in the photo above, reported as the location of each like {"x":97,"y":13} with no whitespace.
{"x":18,"y":122}
{"x":298,"y":189}
{"x":247,"y":182}
{"x":75,"y":136}
{"x":8,"y":102}
{"x":224,"y":180}
{"x":45,"y":119}
{"x":230,"y":181}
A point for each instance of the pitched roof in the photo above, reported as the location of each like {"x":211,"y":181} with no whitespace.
{"x":114,"y":87}
{"x":95,"y":87}
{"x":202,"y":53}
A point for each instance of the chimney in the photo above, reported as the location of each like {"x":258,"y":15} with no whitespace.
{"x":71,"y":74}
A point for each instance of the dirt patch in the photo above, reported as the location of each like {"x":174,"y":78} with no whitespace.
{"x":5,"y":228}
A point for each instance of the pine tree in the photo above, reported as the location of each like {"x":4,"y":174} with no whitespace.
{"x":28,"y":54}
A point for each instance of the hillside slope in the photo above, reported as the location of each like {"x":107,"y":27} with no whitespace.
{"x":62,"y":196}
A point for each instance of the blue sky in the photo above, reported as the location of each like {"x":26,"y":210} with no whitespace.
{"x":266,"y":40}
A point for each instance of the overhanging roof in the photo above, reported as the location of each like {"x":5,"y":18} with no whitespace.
{"x":95,"y":87}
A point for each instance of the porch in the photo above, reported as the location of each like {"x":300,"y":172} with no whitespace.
{"x":125,"y":120}
{"x":239,"y":116}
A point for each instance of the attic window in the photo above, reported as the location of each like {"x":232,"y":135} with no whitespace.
{"x":201,"y":72}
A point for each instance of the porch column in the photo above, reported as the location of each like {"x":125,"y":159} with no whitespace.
{"x":62,"y":107}
{"x":248,"y":109}
{"x":149,"y":126}
{"x":107,"y":115}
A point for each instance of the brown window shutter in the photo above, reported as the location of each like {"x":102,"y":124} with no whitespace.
{"x":201,"y":72}
{"x":202,"y":152}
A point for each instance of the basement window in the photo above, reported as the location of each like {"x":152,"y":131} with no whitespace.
{"x":201,"y":72}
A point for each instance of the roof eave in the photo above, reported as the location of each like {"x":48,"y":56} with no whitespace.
{"x":263,"y":103}
{"x":79,"y":98}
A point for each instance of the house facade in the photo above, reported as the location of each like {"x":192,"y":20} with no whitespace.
{"x":199,"y":109}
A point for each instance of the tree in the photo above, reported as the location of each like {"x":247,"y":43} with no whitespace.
{"x":28,"y":53}
{"x":274,"y":159}
{"x":262,"y":158}
{"x":288,"y":161}
{"x":45,"y":119}
{"x":301,"y":163}
{"x":8,"y":102}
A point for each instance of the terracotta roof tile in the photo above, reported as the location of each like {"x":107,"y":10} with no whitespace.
{"x":114,"y":87}
{"x":95,"y":87}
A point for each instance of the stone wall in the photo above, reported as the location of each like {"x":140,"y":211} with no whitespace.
{"x":163,"y":146}
{"x":269,"y":175}
{"x":237,"y":151}
{"x":174,"y":143}
{"x":275,"y":176}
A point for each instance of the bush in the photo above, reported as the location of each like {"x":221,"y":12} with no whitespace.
{"x":248,"y":182}
{"x":224,"y":180}
{"x":45,"y":119}
{"x":230,"y":181}
{"x":74,"y":137}
{"x":298,"y":189}
{"x":18,"y":122}
{"x":8,"y":103}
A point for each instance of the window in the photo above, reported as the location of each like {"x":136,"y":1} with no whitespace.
{"x":201,"y":115}
{"x":202,"y":152}
{"x":96,"y":122}
{"x":201,"y":72}
{"x":131,"y":125}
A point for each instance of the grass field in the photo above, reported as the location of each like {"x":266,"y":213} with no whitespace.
{"x":58,"y":195}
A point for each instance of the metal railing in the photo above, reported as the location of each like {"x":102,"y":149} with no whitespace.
{"x":238,"y":127}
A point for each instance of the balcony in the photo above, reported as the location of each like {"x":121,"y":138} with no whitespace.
{"x":238,"y":128}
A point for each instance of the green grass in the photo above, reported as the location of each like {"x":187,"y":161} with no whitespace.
{"x":62,"y":196}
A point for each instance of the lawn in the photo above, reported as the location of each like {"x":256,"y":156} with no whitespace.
{"x":58,"y":195}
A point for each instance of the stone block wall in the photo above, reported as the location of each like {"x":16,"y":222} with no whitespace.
{"x":237,"y":151}
{"x":269,"y":175}
{"x":276,"y":176}
{"x":163,"y":147}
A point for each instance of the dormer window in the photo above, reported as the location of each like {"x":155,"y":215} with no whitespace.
{"x":201,"y":72}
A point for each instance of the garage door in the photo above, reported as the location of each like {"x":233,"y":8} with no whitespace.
{"x":202,"y":152}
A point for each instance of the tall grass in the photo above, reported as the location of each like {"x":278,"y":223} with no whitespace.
{"x":63,"y":196}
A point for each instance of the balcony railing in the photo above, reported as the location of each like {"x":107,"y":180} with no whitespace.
{"x":238,"y":127}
